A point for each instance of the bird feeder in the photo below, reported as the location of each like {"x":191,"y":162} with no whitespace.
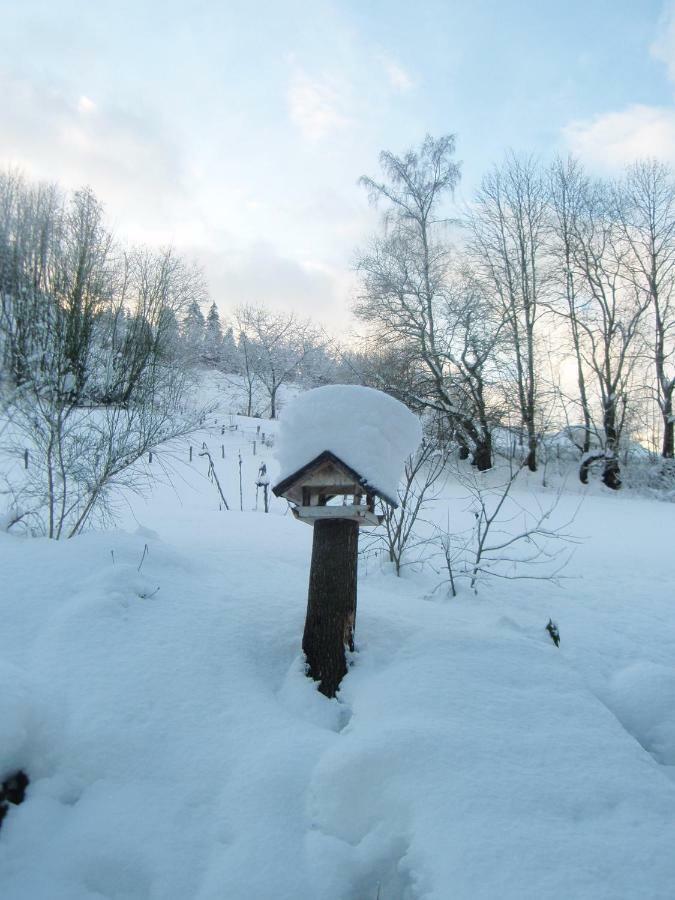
{"x":344,"y":446}
{"x":327,"y":488}
{"x":336,"y":500}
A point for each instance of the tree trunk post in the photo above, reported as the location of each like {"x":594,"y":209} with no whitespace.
{"x":611,"y":474}
{"x":482,"y":457}
{"x":668,"y":451}
{"x":331,"y":603}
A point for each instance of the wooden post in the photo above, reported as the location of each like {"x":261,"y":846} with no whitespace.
{"x":241,"y":491}
{"x":331,"y":603}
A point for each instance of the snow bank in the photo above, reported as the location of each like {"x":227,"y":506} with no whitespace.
{"x":642,"y":696}
{"x":192,"y":758}
{"x":15,"y":714}
{"x":368,"y":430}
{"x":28,"y":718}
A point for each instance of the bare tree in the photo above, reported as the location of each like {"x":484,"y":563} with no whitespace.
{"x":508,"y":227}
{"x":568,"y":188}
{"x":609,"y":318}
{"x":154,"y":291}
{"x":644,"y":204}
{"x":79,"y":329}
{"x":508,"y":539}
{"x":405,"y":294}
{"x":419,"y":487}
{"x":246,"y":359}
{"x":275,"y":346}
{"x":81,"y":459}
{"x":474,"y":347}
{"x":29,"y":216}
{"x":55,"y":279}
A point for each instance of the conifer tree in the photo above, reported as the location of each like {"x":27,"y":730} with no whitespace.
{"x":213,"y":337}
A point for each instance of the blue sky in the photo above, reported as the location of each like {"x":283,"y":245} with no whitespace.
{"x":237,"y":131}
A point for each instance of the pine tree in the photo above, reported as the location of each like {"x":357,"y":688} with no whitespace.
{"x":229,"y":353}
{"x":213,"y":338}
{"x":194,"y":328}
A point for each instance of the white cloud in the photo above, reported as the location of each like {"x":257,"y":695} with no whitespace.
{"x":663,"y":47}
{"x":257,"y":273}
{"x":616,"y":138}
{"x":399,"y":78}
{"x":639,"y":131}
{"x":126,"y":155}
{"x":317,"y":106}
{"x":86,"y":104}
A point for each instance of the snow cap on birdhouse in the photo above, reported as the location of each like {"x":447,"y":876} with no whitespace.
{"x":339,"y":441}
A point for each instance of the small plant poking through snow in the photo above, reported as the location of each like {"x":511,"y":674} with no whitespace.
{"x":552,"y":629}
{"x":12,"y":790}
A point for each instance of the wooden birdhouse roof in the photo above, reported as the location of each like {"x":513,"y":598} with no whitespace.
{"x":326,"y":465}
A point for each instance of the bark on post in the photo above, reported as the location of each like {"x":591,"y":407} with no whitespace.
{"x":331,"y":604}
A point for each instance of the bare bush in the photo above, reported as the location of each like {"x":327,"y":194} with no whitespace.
{"x":90,"y":377}
{"x":423,"y":477}
{"x":507,"y":539}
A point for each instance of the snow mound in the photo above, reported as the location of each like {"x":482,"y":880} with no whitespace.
{"x":26,"y":723}
{"x":368,"y":430}
{"x":15,"y":711}
{"x":642,"y":696}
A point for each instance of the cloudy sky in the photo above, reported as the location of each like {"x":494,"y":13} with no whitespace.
{"x":237,"y":130}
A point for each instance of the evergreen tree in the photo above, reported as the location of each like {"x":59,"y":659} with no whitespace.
{"x":194,"y":329}
{"x":213,"y":338}
{"x":230,"y":361}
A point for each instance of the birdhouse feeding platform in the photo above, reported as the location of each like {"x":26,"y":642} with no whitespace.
{"x":341,"y":449}
{"x":327,"y":488}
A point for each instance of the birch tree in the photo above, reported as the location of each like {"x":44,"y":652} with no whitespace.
{"x":568,"y":188}
{"x":276,"y":345}
{"x":610,"y":319}
{"x":644,"y":204}
{"x":508,"y":229}
{"x":405,"y":295}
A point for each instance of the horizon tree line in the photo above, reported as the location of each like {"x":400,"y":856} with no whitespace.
{"x":546,"y":303}
{"x":547,"y":269}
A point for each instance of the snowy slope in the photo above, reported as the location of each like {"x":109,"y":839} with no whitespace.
{"x":176,"y":749}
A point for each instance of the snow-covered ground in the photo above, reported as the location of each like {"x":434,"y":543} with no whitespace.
{"x":151,"y":684}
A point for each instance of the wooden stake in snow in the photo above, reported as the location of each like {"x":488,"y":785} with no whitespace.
{"x":330,"y":494}
{"x":213,"y":476}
